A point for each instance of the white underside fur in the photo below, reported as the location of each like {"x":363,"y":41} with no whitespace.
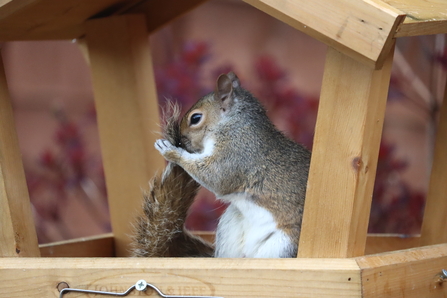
{"x":247,"y":230}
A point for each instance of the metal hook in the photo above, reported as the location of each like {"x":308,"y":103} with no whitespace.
{"x":141,"y":285}
{"x":443,"y":275}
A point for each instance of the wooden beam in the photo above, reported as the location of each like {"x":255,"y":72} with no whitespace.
{"x":424,"y":17}
{"x":380,"y":243}
{"x":95,"y":246}
{"x":54,"y":19}
{"x":17,"y":232}
{"x":47,"y":19}
{"x":410,"y":273}
{"x":360,"y":29}
{"x":434,"y":225}
{"x":344,"y":158}
{"x":420,"y":27}
{"x":128,"y":117}
{"x":103,"y":245}
{"x":184,"y":276}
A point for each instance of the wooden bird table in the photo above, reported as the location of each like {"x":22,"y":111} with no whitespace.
{"x":336,"y":256}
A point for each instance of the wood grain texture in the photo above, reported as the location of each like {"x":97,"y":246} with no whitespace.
{"x":434,"y":225}
{"x":360,"y":29}
{"x":17,"y":232}
{"x":128,"y":117}
{"x":344,"y":158}
{"x":95,"y":246}
{"x":55,"y":19}
{"x":103,"y":245}
{"x":47,"y":19}
{"x":200,"y":276}
{"x":424,"y":17}
{"x":410,"y":273}
{"x":380,"y":243}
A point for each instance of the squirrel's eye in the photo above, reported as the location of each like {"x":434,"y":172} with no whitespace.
{"x":195,"y":118}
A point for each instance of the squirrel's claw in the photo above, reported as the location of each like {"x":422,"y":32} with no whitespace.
{"x":169,"y":151}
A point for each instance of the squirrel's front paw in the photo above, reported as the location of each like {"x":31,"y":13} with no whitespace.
{"x":169,"y":151}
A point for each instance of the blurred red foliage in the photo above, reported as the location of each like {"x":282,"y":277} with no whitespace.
{"x":63,"y":173}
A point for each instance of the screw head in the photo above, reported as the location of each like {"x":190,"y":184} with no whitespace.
{"x":141,"y":285}
{"x":62,"y":285}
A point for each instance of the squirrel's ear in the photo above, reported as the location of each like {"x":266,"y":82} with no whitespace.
{"x":234,"y":79}
{"x":224,"y":88}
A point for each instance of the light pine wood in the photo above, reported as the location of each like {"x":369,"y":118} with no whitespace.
{"x":128,"y":117}
{"x":344,"y":158}
{"x":17,"y":232}
{"x":358,"y":28}
{"x":55,"y":19}
{"x":410,"y":273}
{"x":434,"y":225}
{"x":380,"y":243}
{"x":421,"y":27}
{"x":103,"y":245}
{"x":424,"y":17}
{"x":95,"y":246}
{"x":200,"y":276}
{"x":47,"y":19}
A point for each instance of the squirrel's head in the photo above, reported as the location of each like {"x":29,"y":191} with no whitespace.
{"x":201,"y":120}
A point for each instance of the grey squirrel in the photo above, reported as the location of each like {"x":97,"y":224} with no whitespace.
{"x":227,"y":144}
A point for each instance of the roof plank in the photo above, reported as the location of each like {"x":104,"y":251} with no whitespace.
{"x":55,"y":19}
{"x":423,"y":16}
{"x":47,"y":19}
{"x":362,"y":29}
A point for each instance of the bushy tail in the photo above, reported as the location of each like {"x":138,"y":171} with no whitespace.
{"x":160,"y":231}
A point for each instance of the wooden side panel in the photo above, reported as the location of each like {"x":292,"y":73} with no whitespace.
{"x":128,"y":117}
{"x":412,"y":273}
{"x":47,"y":19}
{"x":55,"y":19}
{"x":434,"y":226}
{"x":360,"y":29}
{"x":344,"y":158}
{"x":103,"y":245}
{"x":380,"y":243}
{"x":421,"y":27}
{"x":181,"y":276}
{"x":424,"y":17}
{"x":96,"y":246}
{"x":17,"y":232}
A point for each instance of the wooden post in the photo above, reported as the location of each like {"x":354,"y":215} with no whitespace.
{"x":17,"y":232}
{"x":434,"y":226}
{"x":344,"y":157}
{"x":128,"y":117}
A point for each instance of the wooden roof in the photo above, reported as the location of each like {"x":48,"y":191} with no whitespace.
{"x":362,"y":29}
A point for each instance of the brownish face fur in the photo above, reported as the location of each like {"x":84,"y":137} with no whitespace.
{"x":198,"y":122}
{"x":201,"y":120}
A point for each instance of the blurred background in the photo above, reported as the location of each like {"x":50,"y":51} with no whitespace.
{"x":55,"y":116}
